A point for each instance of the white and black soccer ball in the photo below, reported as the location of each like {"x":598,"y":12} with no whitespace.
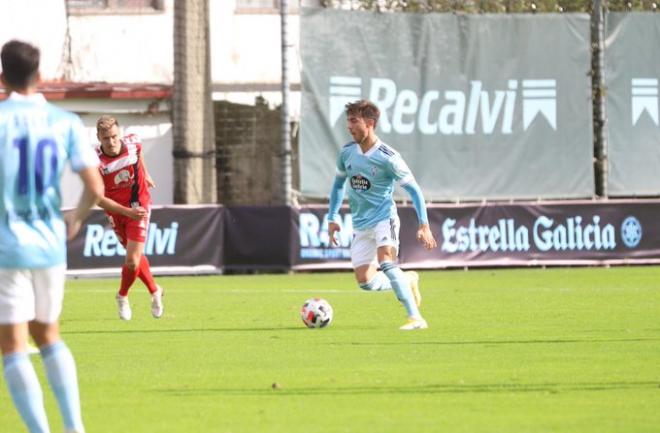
{"x":316,"y":313}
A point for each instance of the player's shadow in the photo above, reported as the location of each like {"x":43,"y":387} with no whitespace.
{"x":494,"y":388}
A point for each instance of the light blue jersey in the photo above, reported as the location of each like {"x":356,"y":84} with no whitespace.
{"x":36,"y":140}
{"x":371,"y":178}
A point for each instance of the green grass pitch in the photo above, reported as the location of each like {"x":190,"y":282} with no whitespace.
{"x":539,"y":350}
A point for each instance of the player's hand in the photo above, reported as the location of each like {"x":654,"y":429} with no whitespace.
{"x":73,"y":224}
{"x":332,"y":229}
{"x":425,"y":236}
{"x":150,"y":182}
{"x":136,"y":213}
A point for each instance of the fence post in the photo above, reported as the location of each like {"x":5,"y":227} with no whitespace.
{"x":598,"y":94}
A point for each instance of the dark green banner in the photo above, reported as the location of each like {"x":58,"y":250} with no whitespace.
{"x":480,"y":106}
{"x":632,"y":70}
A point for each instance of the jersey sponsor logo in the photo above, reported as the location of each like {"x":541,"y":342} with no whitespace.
{"x":122,"y":177}
{"x":450,"y":111}
{"x":360,"y":183}
{"x":100,"y":242}
{"x":644,"y":99}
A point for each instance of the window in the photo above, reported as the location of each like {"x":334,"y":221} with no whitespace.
{"x":114,"y":6}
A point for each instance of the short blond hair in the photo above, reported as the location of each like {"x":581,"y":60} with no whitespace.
{"x":105,"y":122}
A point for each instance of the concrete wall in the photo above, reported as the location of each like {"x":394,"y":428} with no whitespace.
{"x":138,"y":48}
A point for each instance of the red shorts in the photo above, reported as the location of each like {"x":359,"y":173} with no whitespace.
{"x":129,"y":229}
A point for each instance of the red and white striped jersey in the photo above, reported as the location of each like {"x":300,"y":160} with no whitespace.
{"x":123,"y":175}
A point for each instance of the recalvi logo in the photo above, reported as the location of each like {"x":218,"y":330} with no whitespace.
{"x":100,"y":242}
{"x":404,"y":111}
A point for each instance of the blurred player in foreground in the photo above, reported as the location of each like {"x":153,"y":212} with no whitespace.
{"x":372,"y":168}
{"x":127,"y":204}
{"x":36,"y":140}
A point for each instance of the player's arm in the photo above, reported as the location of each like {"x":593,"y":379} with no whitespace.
{"x":91,"y":195}
{"x":407,"y":181}
{"x":111,"y":206}
{"x":84,"y":162}
{"x":336,"y":198}
{"x":424,"y":234}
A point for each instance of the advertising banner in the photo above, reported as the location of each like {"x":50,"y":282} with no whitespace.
{"x":259,"y":237}
{"x":518,"y":234}
{"x":178,"y":237}
{"x":480,"y":106}
{"x":210,"y":239}
{"x":632,"y":73}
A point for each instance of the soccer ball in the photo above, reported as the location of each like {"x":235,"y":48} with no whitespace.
{"x":316,"y":313}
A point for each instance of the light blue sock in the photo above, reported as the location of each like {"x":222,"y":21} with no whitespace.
{"x":401,"y":287}
{"x":61,"y":372}
{"x":25,"y":390}
{"x":378,"y":283}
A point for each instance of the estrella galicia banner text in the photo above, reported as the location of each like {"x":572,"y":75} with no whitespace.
{"x":524,"y":234}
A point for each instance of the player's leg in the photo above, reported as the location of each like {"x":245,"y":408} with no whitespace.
{"x":16,"y":309}
{"x":136,"y":231}
{"x":129,"y":273}
{"x":146,"y":276}
{"x":154,"y":289}
{"x":365,"y":266}
{"x":131,"y":267}
{"x":57,"y":358}
{"x":387,"y":240}
{"x":118,"y":224}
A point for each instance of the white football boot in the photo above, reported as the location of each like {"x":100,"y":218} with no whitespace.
{"x":414,"y":323}
{"x":124,"y":307}
{"x":157,"y":303}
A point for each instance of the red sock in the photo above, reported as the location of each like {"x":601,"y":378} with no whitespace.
{"x":145,"y":275}
{"x":128,"y":277}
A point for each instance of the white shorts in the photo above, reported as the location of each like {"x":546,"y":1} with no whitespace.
{"x":31,"y":294}
{"x":366,"y":242}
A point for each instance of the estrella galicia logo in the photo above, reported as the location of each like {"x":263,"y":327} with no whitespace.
{"x":360,"y":183}
{"x":631,"y":232}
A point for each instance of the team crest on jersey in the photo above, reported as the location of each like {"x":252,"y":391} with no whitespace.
{"x":360,"y":183}
{"x":122,"y":176}
{"x":373,"y":170}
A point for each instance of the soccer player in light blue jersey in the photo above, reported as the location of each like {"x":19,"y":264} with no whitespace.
{"x":372,"y":168}
{"x":36,"y":140}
